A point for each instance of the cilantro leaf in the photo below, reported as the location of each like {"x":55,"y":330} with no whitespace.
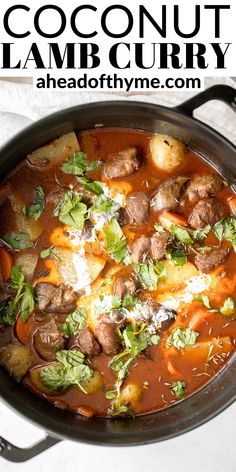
{"x":7,"y":313}
{"x":226,"y":229}
{"x":27,"y":302}
{"x":159,"y":228}
{"x":177,"y":257}
{"x":149,"y":274}
{"x":116,"y":242}
{"x":203,"y":299}
{"x":78,"y":164}
{"x":94,"y":187}
{"x":134,"y":342}
{"x":200,"y":234}
{"x":70,"y":371}
{"x":182,"y":337}
{"x":36,"y":209}
{"x":71,"y":211}
{"x":181,"y":234}
{"x":24,"y":299}
{"x":178,"y":388}
{"x":17,"y":241}
{"x":74,"y":322}
{"x":101,"y":204}
{"x":229,"y":307}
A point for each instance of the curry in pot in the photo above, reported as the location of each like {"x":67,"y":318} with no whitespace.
{"x":117,"y":272}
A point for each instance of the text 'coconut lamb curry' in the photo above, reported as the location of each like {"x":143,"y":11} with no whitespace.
{"x":118,"y":279}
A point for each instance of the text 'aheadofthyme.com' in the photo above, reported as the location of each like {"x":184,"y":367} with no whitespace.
{"x":105,"y":46}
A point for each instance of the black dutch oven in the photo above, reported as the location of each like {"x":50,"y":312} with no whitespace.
{"x":219,"y":393}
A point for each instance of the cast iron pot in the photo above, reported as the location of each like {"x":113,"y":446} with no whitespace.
{"x":221,"y":391}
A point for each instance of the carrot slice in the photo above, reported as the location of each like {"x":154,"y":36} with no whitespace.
{"x":232,"y":204}
{"x":86,"y":411}
{"x":199,"y":318}
{"x":23,"y":330}
{"x":6,"y":263}
{"x":168,"y":218}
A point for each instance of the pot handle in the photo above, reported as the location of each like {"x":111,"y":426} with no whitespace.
{"x":216,"y":92}
{"x":16,"y":454}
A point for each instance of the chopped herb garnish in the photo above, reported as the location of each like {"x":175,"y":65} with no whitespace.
{"x":102,"y":204}
{"x":36,"y":209}
{"x":94,"y":187}
{"x":149,"y":274}
{"x":182,"y":337}
{"x":203,"y":299}
{"x":71,"y":371}
{"x":7,"y":313}
{"x":78,"y":164}
{"x":159,"y":228}
{"x":18,"y":241}
{"x":181,"y":234}
{"x":135,"y":340}
{"x":229,"y":307}
{"x":226,"y":229}
{"x":116,"y":242}
{"x":52,"y":252}
{"x":178,"y":388}
{"x":24,"y":299}
{"x":71,"y":211}
{"x":200,"y":234}
{"x":74,"y":322}
{"x":177,"y":257}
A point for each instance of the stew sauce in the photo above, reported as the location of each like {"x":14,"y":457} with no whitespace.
{"x":118,"y":282}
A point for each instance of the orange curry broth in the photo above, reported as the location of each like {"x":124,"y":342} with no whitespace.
{"x":151,"y":367}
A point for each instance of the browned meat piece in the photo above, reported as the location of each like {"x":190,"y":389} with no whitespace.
{"x":106,"y":334}
{"x":206,"y":212}
{"x":124,"y":218}
{"x":47,"y":340}
{"x":137,"y":207}
{"x":125,"y":163}
{"x":124,"y":286}
{"x":140,"y":249}
{"x":202,"y":186}
{"x":88,"y":230}
{"x":168,"y":194}
{"x":159,"y":244}
{"x":205,"y":263}
{"x":85,"y":342}
{"x":51,"y":298}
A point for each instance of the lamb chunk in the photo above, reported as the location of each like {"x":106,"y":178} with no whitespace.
{"x":137,"y":207}
{"x":206,"y":212}
{"x":106,"y":334}
{"x":56,"y":299}
{"x":202,"y":186}
{"x":205,"y":263}
{"x":125,"y":163}
{"x":124,"y":218}
{"x":47,"y":340}
{"x":159,"y":244}
{"x":168,"y":194}
{"x":124,"y":286}
{"x":85,"y":342}
{"x":140,"y":249}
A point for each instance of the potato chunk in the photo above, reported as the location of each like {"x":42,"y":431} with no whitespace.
{"x":131,"y":396}
{"x":93,"y":384}
{"x":16,"y":360}
{"x":167,"y":153}
{"x":27,"y":263}
{"x":54,"y":152}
